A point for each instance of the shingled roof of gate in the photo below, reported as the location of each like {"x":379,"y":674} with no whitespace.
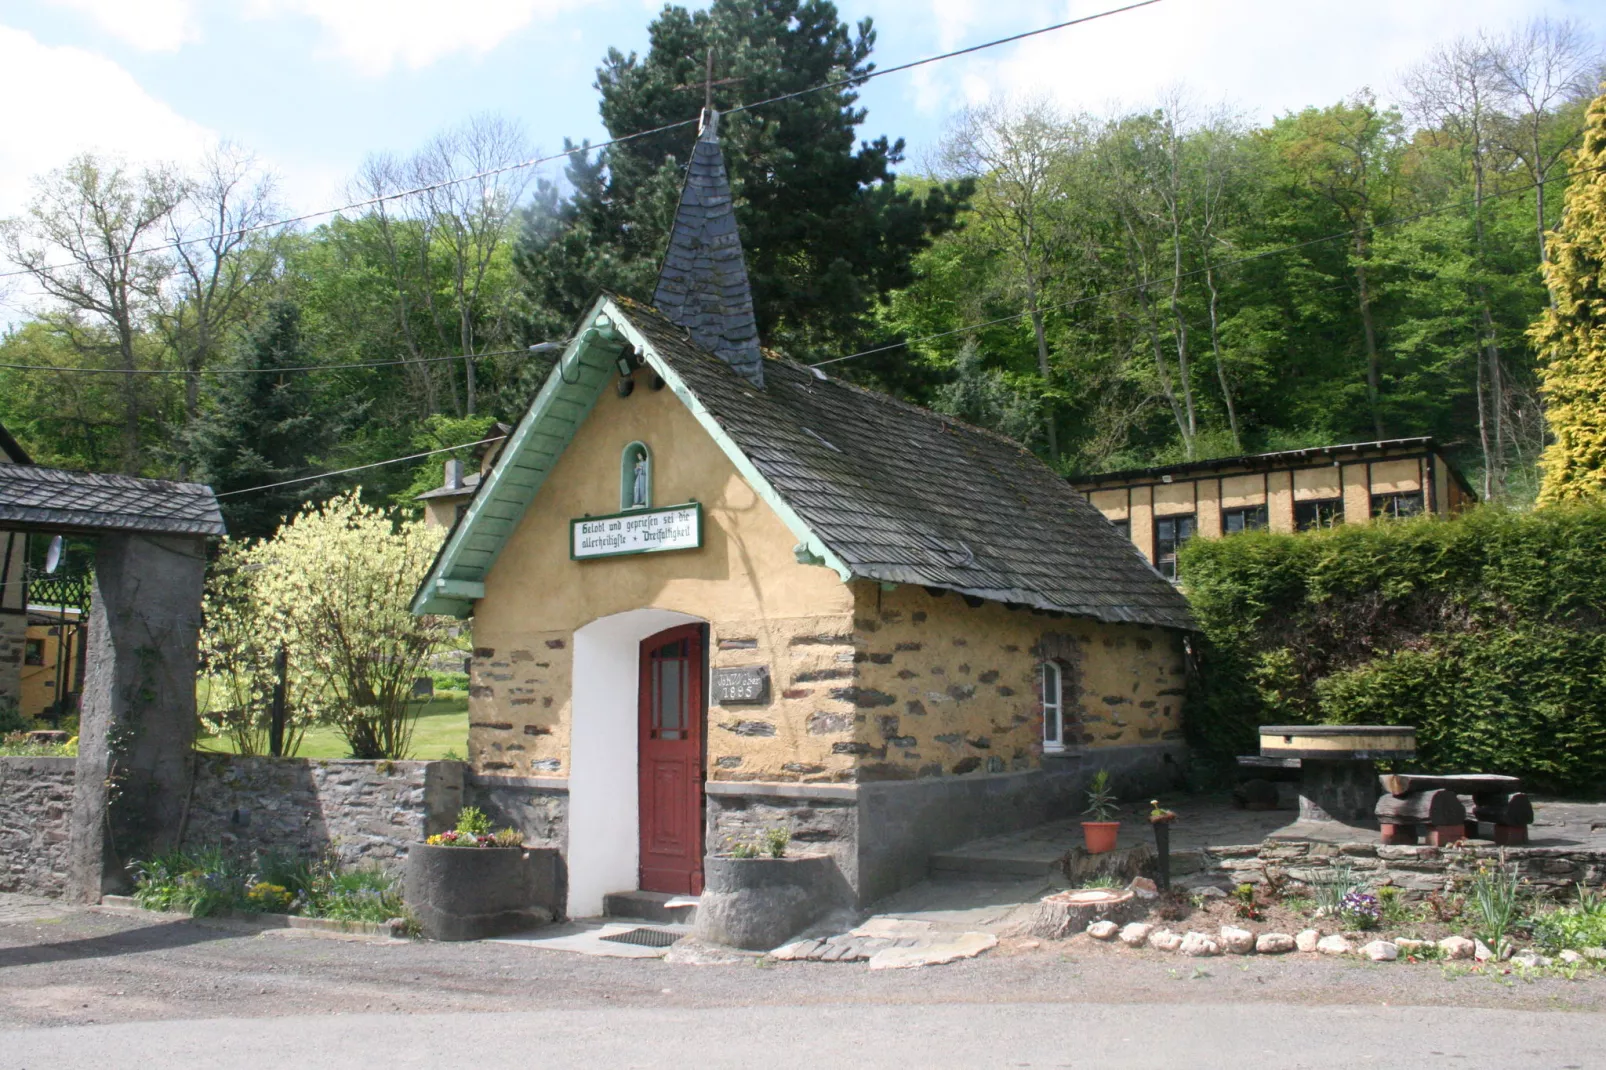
{"x":53,"y":498}
{"x":902,"y":494}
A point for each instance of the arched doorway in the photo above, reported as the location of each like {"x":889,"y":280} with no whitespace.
{"x":605,"y":750}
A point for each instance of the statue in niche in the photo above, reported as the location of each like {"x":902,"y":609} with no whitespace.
{"x":638,"y":486}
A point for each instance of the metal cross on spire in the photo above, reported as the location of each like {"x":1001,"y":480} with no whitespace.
{"x":707,"y":86}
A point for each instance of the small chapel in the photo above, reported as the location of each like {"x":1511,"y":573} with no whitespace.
{"x":713,"y":591}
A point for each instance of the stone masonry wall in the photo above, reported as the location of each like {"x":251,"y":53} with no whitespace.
{"x":520,"y":703}
{"x":35,"y":811}
{"x":1416,"y":870}
{"x":366,"y":811}
{"x":943,"y":688}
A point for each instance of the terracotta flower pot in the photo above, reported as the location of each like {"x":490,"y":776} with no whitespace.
{"x":1100,"y":836}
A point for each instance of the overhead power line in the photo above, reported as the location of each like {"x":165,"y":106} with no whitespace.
{"x":1265,"y":254}
{"x":217,"y":370}
{"x":492,"y":172}
{"x":357,"y":468}
{"x":1219,"y":265}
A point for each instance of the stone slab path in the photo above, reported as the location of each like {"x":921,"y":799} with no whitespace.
{"x":1213,"y":821}
{"x":890,"y":944}
{"x":18,"y":908}
{"x":587,"y":938}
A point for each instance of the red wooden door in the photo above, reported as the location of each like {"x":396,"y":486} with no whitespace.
{"x":671,"y":761}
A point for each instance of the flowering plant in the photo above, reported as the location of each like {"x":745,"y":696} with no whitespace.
{"x":474,"y":830}
{"x":1360,"y":909}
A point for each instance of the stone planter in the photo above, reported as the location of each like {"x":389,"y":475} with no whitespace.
{"x":757,"y":903}
{"x":470,"y":893}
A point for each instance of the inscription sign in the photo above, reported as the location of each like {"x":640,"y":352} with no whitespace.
{"x":746,"y":685}
{"x":640,"y":531}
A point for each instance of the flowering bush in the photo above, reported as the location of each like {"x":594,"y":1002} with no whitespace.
{"x":1360,"y":909}
{"x":240,"y":643}
{"x":335,"y":587}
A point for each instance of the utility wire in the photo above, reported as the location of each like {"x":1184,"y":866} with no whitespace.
{"x":535,"y":161}
{"x":357,"y":468}
{"x":993,"y":322}
{"x":260,"y":371}
{"x":1252,"y":257}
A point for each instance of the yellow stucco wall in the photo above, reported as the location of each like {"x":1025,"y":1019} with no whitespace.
{"x":762,"y":606}
{"x":39,"y":681}
{"x":945,"y":689}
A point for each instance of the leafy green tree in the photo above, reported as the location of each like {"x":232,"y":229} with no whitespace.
{"x":826,"y":229}
{"x":1347,"y":156}
{"x":1571,"y":336}
{"x":265,"y":425}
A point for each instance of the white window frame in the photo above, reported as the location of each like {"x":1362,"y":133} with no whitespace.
{"x":1053,"y":710}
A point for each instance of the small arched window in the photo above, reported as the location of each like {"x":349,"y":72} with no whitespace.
{"x":635,"y":478}
{"x":1050,"y":678}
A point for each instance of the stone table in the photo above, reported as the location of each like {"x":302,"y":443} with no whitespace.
{"x":1338,"y":780}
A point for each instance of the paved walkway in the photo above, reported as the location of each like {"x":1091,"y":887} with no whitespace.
{"x":1212,"y":821}
{"x":16,"y":908}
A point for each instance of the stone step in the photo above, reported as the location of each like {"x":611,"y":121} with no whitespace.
{"x":660,"y":907}
{"x":951,"y":865}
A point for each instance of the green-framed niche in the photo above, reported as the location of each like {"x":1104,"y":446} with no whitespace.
{"x":635,"y":477}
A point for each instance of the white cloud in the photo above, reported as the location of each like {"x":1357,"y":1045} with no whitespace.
{"x":149,"y":25}
{"x":379,"y":35}
{"x":1262,"y":55}
{"x":67,"y":101}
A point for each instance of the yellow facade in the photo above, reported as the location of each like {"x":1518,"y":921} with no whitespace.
{"x":867,"y":683}
{"x":43,"y":672}
{"x":1353,"y":481}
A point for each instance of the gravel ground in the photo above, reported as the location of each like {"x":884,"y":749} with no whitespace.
{"x":91,"y":967}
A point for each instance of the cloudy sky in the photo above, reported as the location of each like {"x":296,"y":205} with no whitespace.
{"x":311,"y":86}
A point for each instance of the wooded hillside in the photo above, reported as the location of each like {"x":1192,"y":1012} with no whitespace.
{"x":1166,"y":283}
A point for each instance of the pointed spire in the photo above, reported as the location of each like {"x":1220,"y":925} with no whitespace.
{"x":703,"y":282}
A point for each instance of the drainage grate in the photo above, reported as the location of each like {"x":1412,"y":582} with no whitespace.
{"x":644,"y":937}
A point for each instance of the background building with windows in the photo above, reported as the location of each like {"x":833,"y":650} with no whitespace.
{"x":1163,"y":507}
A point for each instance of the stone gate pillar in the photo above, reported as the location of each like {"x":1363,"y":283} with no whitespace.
{"x":137,"y":724}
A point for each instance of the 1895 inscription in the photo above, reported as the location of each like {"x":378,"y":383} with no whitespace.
{"x":743,"y":685}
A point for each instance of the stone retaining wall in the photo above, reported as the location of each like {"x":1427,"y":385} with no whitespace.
{"x":35,"y":813}
{"x":367,"y":811}
{"x":1416,"y":870}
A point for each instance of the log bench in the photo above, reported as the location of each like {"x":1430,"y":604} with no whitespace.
{"x":1451,"y":807}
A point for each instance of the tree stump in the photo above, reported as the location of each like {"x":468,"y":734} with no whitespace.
{"x":1067,"y":913}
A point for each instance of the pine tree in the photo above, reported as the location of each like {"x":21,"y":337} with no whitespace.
{"x":1571,"y":336}
{"x":262,"y":427}
{"x":826,"y":228}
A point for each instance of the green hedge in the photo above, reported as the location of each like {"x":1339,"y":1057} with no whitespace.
{"x":1487,"y":632}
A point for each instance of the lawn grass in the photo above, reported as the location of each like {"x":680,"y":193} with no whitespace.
{"x":442,"y":730}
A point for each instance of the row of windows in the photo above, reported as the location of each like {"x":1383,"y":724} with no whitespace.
{"x":1171,"y":532}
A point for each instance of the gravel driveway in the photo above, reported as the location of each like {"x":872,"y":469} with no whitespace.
{"x":64,"y":969}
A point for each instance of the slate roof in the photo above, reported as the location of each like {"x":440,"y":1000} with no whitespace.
{"x":702,"y":284}
{"x":1275,"y":461}
{"x":905,"y":495}
{"x":12,"y":449}
{"x":51,"y":498}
